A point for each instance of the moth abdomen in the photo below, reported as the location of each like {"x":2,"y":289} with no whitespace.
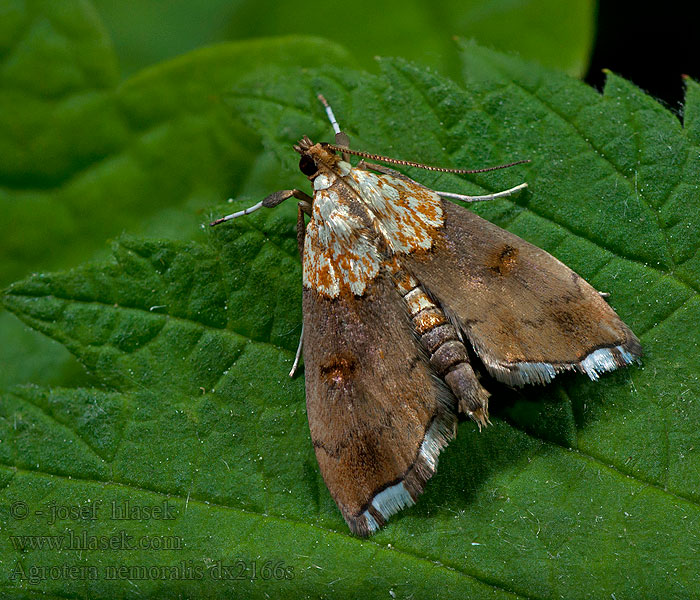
{"x":447,"y":354}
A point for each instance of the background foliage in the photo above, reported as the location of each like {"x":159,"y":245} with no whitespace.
{"x":165,"y":374}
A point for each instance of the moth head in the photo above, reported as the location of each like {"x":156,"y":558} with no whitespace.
{"x":315,"y":158}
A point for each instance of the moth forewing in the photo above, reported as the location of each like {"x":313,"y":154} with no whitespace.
{"x":378,"y":417}
{"x":395,"y":281}
{"x":480,"y":272}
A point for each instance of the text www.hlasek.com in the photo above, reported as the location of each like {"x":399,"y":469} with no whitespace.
{"x":72,"y":540}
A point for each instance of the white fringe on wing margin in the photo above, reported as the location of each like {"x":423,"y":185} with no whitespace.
{"x":604,"y":360}
{"x":597,"y":362}
{"x":395,"y":498}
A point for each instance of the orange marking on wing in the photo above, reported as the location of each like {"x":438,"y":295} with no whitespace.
{"x":337,"y":259}
{"x":407,"y":214}
{"x":323,"y":275}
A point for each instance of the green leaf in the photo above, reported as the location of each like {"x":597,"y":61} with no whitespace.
{"x":578,"y":490}
{"x":557,"y":34}
{"x":86,"y":157}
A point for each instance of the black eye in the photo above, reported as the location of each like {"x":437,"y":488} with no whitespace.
{"x":307,"y":165}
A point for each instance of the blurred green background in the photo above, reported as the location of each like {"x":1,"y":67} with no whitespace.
{"x":557,"y":34}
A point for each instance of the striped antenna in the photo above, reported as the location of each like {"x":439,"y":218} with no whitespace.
{"x":410,"y":163}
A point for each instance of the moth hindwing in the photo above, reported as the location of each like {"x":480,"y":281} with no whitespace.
{"x":396,"y":282}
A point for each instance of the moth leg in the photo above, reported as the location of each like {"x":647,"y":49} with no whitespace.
{"x":269,"y":202}
{"x":502,"y":194}
{"x":297,"y":356}
{"x":305,"y":206}
{"x":278,"y":197}
{"x":302,"y":208}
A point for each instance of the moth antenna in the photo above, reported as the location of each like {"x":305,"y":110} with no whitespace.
{"x":502,"y":194}
{"x":240,"y":213}
{"x":409,"y":163}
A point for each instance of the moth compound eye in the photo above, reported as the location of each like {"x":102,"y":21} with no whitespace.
{"x":307,"y":165}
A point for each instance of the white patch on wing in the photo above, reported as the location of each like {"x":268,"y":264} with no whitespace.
{"x":534,"y":372}
{"x":405,"y":212}
{"x":337,"y":253}
{"x":344,"y":167}
{"x":439,"y":433}
{"x":392,"y":500}
{"x":603,"y":360}
{"x":372,"y":524}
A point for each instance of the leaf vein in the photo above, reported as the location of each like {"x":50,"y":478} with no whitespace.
{"x":599,"y":151}
{"x":63,"y":426}
{"x":381,"y":548}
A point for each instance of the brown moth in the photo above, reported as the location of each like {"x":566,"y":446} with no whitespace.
{"x":396,"y":283}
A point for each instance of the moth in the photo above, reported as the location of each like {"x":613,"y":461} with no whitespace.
{"x":402,"y":290}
